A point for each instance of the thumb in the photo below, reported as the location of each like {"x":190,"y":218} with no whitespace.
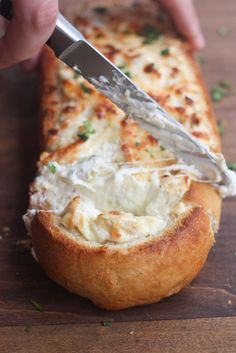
{"x":32,"y":24}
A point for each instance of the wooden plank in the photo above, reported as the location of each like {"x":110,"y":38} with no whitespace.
{"x":181,"y":336}
{"x":212,"y":294}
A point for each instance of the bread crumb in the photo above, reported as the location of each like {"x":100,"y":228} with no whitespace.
{"x":131,"y":332}
{"x":229,"y":302}
{"x":25,"y":243}
{"x":5,"y":230}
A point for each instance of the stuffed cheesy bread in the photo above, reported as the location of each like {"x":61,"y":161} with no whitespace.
{"x":114,"y":215}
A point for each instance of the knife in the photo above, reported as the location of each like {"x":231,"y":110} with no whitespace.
{"x":72,"y":48}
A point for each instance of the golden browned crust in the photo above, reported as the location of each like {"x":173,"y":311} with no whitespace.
{"x":49,"y":97}
{"x":117,"y":278}
{"x":120,"y":277}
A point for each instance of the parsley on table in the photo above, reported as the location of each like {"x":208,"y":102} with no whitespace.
{"x":52,"y":167}
{"x":150,"y":34}
{"x":86,"y":130}
{"x":220,"y":90}
{"x":36,"y":305}
{"x":28,"y":328}
{"x":165,"y":52}
{"x":105,"y":323}
{"x":200,"y":57}
{"x":224,"y":31}
{"x":85,"y":88}
{"x":231,"y":165}
{"x":221,"y":127}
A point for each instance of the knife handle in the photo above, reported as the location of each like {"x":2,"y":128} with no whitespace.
{"x":6,"y":9}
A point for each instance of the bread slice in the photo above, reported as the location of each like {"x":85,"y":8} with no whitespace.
{"x":115,"y":217}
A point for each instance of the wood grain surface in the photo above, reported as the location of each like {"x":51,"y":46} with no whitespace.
{"x":199,"y":319}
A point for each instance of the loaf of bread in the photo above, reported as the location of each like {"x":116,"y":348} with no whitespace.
{"x":114,"y":215}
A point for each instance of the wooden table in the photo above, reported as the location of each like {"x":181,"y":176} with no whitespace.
{"x":202,"y":318}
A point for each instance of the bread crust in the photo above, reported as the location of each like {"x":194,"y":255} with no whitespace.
{"x":116,"y":277}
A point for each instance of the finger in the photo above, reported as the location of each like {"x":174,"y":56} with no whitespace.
{"x":185,"y":17}
{"x":30,"y":64}
{"x":31,"y":26}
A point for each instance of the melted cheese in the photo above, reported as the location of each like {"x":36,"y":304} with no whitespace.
{"x":113,"y":202}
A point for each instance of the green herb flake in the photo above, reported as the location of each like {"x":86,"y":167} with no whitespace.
{"x":137,"y":143}
{"x":224,"y":31}
{"x":27,"y":328}
{"x":126,"y":72}
{"x":225,"y":84}
{"x":221,"y":127}
{"x":86,"y":130}
{"x":85,"y":88}
{"x":165,"y":52}
{"x":220,"y":90}
{"x":150,"y":153}
{"x":231,"y":165}
{"x":162,"y":148}
{"x":52,"y":167}
{"x":36,"y":305}
{"x":105,"y":323}
{"x":76,"y":75}
{"x":200,"y":57}
{"x":150,"y":34}
{"x":101,"y":10}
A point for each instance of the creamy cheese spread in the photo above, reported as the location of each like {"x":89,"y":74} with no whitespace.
{"x":113,"y":202}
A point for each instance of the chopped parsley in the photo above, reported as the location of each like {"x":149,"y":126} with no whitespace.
{"x":231,"y":165}
{"x":220,"y":90}
{"x":150,"y":153}
{"x":76,"y":75}
{"x":162,"y":148}
{"x":224,"y":31}
{"x":126,"y":72}
{"x":105,"y":323}
{"x":150,"y":34}
{"x":165,"y":52}
{"x":100,"y":9}
{"x":85,"y":88}
{"x":200,"y":57}
{"x":221,"y":127}
{"x":28,"y":328}
{"x":52,"y":167}
{"x":137,"y":143}
{"x":86,"y":130}
{"x":36,"y":305}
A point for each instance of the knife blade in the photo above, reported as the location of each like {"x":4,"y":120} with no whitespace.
{"x":73,"y":49}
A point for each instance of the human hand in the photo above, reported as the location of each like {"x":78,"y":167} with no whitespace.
{"x":186,"y":20}
{"x":32,"y":24}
